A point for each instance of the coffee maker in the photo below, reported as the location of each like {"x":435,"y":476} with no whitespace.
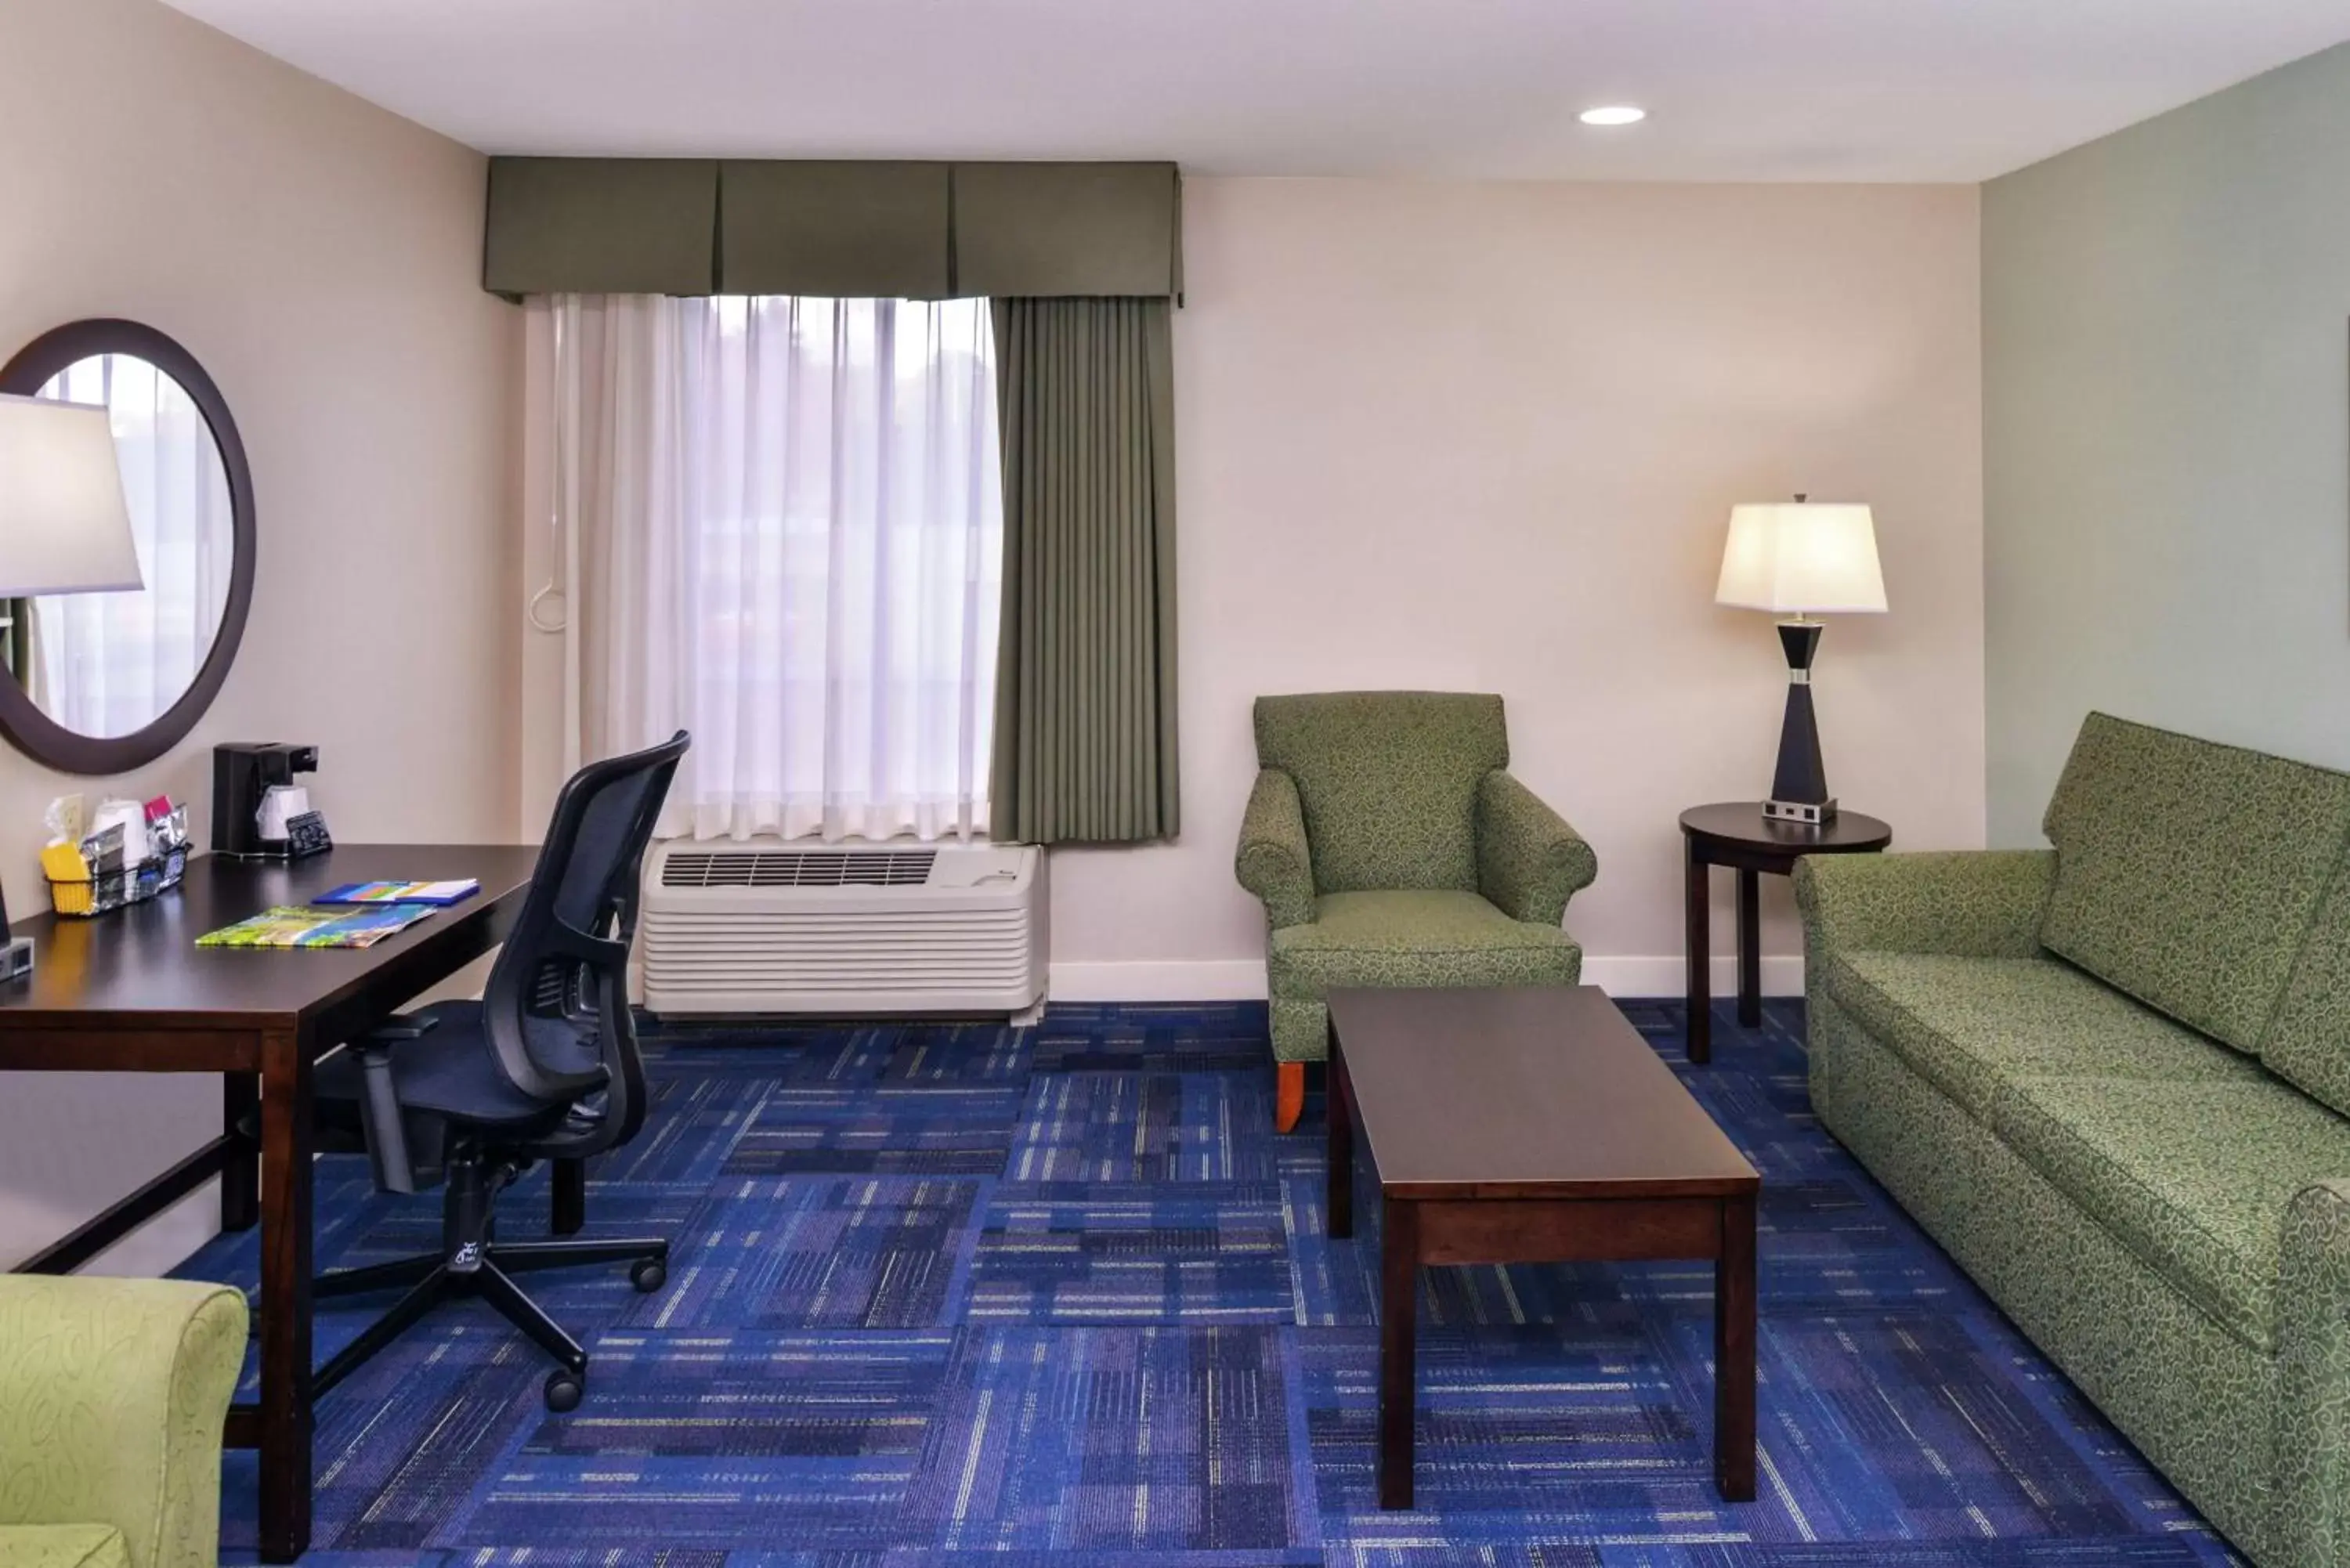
{"x":243,"y":772}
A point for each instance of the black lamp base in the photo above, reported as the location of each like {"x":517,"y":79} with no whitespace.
{"x":1799,"y":787}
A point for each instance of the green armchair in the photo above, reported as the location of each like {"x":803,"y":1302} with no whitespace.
{"x":1390,"y":848}
{"x":112,"y":1396}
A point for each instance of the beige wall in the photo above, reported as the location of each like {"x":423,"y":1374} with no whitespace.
{"x":1488,"y":436}
{"x":2167,"y":427}
{"x":321,"y":258}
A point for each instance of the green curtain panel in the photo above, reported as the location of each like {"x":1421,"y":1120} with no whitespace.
{"x":1085,"y":698}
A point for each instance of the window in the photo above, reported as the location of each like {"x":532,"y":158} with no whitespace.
{"x":789,"y":516}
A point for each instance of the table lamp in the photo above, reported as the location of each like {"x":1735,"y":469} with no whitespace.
{"x":65,"y":527}
{"x":1796,"y":559}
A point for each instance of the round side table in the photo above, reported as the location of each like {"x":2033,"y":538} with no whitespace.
{"x":1737,"y":834}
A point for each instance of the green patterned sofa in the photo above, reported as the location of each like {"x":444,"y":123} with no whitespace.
{"x":2111,"y":1079}
{"x":112,"y":1393}
{"x":1391,"y":848}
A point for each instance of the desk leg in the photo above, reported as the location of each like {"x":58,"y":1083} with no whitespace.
{"x":569,"y":1189}
{"x":240,"y":1182}
{"x":285,"y":1270}
{"x":1340,"y":1201}
{"x":1750,"y":947}
{"x":1734,"y":1353}
{"x":1398,"y":1381}
{"x":1697,"y":941}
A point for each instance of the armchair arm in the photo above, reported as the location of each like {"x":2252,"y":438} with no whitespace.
{"x":114,"y":1393}
{"x":2313,"y":1445}
{"x":1273,"y":862}
{"x":1973,"y":903}
{"x":1529,"y":861}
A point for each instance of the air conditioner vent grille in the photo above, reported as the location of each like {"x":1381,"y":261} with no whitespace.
{"x":798,"y":869}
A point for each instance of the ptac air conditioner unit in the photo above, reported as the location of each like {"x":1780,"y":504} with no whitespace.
{"x":775,"y":927}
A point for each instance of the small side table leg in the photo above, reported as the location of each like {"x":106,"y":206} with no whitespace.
{"x":1699,"y":939}
{"x":1750,"y":949}
{"x":1340,"y":1199}
{"x":1734,"y":1353}
{"x":1398,"y":1380}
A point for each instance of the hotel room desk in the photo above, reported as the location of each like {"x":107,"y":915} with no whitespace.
{"x":131,"y":992}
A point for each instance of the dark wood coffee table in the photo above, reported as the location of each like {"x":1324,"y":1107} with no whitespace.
{"x":1533,"y":1126}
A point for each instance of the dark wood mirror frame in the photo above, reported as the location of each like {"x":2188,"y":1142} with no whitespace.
{"x":33,"y":732}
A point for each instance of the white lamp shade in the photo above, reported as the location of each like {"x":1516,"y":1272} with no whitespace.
{"x":1799,"y":557}
{"x":65,"y":527}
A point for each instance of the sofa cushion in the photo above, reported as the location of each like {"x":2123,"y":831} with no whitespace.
{"x":1423,"y":938}
{"x":1968,"y":1025}
{"x":63,"y":1546}
{"x":2186,"y":871}
{"x":2308,"y":1040}
{"x":2195,"y":1178}
{"x":1388,"y":780}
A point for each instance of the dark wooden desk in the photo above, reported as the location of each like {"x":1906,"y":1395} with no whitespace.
{"x":1533,"y":1126}
{"x":1737,"y":834}
{"x":131,"y":992}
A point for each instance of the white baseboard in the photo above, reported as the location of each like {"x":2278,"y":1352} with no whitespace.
{"x":1199,"y":980}
{"x":1242,"y":980}
{"x":1667,"y":976}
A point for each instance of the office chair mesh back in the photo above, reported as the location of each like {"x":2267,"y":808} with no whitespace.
{"x":555,"y":1010}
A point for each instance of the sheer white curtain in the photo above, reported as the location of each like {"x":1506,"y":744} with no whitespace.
{"x":109,"y":664}
{"x":783,"y":523}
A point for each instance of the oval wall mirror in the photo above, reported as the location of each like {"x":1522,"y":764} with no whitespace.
{"x":103,"y":683}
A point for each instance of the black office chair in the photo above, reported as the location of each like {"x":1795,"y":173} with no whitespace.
{"x":545,"y":1066}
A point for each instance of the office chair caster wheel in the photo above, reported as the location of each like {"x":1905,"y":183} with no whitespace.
{"x":564,"y":1390}
{"x":648,"y":1274}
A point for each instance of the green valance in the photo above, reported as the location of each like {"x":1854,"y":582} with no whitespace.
{"x":1029,"y":229}
{"x":915,"y":230}
{"x":601,"y":225}
{"x":867,"y":230}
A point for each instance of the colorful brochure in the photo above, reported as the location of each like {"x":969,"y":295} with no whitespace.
{"x":437,"y":894}
{"x":317,"y":925}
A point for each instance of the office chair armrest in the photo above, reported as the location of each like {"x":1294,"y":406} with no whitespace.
{"x":382,"y":1119}
{"x":403,"y":1026}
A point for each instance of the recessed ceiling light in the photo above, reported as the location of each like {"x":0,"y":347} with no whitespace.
{"x":1613,"y":114}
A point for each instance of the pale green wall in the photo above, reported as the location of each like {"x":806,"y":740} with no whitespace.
{"x":2167,"y":434}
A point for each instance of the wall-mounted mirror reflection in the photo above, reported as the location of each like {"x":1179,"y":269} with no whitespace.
{"x":120,"y":604}
{"x":111,"y":663}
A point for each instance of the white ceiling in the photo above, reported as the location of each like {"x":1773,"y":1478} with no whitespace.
{"x":1737,"y":89}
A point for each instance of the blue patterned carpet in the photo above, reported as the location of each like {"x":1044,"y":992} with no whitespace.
{"x":1062,"y":1295}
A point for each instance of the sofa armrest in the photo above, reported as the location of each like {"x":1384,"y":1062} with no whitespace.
{"x":1529,"y":861}
{"x":2312,"y":1319}
{"x":1273,"y":862}
{"x":1973,"y":903}
{"x":112,"y":1395}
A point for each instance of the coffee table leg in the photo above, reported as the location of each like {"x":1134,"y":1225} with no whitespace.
{"x":1701,"y":1020}
{"x":1399,"y":1382}
{"x":1734,"y":1353}
{"x":1341,"y":1198}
